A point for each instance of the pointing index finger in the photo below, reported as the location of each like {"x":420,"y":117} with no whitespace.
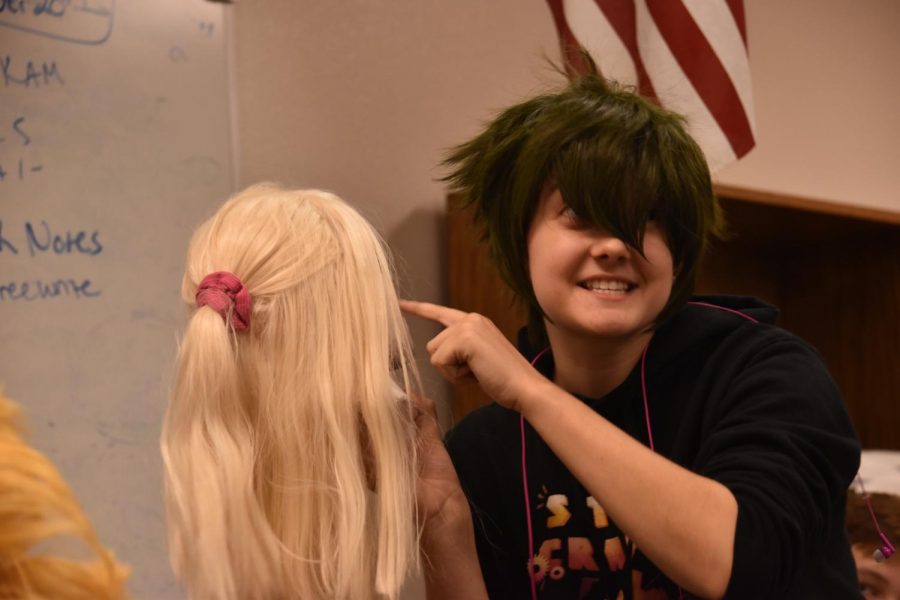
{"x":444,"y":315}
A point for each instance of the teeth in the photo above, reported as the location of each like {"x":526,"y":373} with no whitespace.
{"x":607,"y":285}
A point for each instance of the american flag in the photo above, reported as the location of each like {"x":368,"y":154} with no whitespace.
{"x":689,"y":55}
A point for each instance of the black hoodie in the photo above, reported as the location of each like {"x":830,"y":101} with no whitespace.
{"x":740,"y":401}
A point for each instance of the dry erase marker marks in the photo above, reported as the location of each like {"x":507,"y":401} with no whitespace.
{"x":17,"y":160}
{"x":37,"y":239}
{"x":74,"y":21}
{"x":33,"y":74}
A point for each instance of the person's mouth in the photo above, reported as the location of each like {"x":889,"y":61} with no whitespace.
{"x":606,"y":285}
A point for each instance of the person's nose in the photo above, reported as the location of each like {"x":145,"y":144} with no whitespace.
{"x":608,"y":248}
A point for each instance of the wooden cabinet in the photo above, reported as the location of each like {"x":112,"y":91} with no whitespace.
{"x":833,"y":270}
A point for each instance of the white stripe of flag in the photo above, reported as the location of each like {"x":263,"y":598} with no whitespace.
{"x":693,"y":55}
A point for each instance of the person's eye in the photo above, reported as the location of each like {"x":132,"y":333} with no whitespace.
{"x":570,"y":216}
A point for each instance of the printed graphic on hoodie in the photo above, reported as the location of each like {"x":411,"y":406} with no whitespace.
{"x":580,"y":553}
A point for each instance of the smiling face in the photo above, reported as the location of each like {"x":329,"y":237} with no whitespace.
{"x":590,"y":284}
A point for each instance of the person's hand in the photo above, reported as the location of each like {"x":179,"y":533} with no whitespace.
{"x":448,"y":546}
{"x":437,"y":488}
{"x":471,"y":347}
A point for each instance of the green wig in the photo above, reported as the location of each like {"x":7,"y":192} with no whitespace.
{"x":618,"y":159}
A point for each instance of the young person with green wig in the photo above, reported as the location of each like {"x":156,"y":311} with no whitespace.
{"x":643,"y":442}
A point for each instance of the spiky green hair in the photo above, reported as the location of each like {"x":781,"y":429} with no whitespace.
{"x":618,"y":160}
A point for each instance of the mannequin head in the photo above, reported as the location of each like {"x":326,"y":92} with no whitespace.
{"x":290,"y":445}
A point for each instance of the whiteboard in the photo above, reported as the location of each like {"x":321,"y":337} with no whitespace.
{"x":115,"y":142}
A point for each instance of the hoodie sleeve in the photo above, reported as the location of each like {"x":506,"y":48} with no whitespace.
{"x":781,"y":440}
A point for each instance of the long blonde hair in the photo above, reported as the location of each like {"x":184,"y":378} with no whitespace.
{"x":289,"y":448}
{"x":38,"y":509}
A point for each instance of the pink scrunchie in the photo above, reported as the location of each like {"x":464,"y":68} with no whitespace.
{"x":221,"y":290}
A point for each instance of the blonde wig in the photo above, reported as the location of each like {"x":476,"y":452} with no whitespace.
{"x":39,"y":512}
{"x":289,"y":448}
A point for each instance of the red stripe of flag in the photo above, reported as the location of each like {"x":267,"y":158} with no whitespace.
{"x":699,"y":62}
{"x":622,"y":16}
{"x":737,"y":11}
{"x":570,"y":47}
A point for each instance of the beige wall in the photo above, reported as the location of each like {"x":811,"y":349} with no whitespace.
{"x":826,"y":85}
